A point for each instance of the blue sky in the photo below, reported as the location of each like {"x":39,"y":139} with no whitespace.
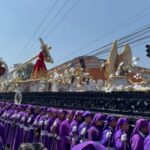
{"x":88,"y":20}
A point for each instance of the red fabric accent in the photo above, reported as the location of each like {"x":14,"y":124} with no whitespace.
{"x":40,"y":65}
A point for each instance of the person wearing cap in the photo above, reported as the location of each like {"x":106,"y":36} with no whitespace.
{"x":77,"y":120}
{"x":89,"y":145}
{"x":147,"y":140}
{"x":95,"y":131}
{"x":138,"y":135}
{"x":108,"y":132}
{"x":85,"y":126}
{"x":121,"y":139}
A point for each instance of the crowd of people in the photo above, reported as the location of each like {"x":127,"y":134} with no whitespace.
{"x":62,"y":129}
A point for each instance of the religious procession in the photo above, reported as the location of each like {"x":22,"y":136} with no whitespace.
{"x":64,"y":91}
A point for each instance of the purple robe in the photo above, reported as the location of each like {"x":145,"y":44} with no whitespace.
{"x":147,"y":140}
{"x":74,"y":128}
{"x":95,"y":132}
{"x":108,"y":142}
{"x":2,"y":135}
{"x":137,"y":137}
{"x":65,"y":138}
{"x":12,"y":129}
{"x":16,"y":142}
{"x":89,"y":145}
{"x":119,"y":144}
{"x":42,"y":128}
{"x":84,"y":127}
{"x":47,"y":126}
{"x":55,"y":130}
{"x":35,"y":126}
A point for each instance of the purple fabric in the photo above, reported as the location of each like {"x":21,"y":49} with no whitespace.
{"x":95,"y":131}
{"x":75,"y":123}
{"x":104,"y":141}
{"x":147,"y":143}
{"x":48,"y":125}
{"x":64,"y":134}
{"x":56,"y":129}
{"x":98,"y":117}
{"x":137,"y":141}
{"x":87,"y":113}
{"x":109,"y":119}
{"x":120,"y":145}
{"x":16,"y":141}
{"x":89,"y":145}
{"x":147,"y":140}
{"x":139,"y":123}
{"x":120,"y":122}
{"x":2,"y":135}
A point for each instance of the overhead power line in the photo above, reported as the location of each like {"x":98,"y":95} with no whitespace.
{"x":37,"y":29}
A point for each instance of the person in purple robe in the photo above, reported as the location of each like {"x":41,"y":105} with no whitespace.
{"x":42,"y":121}
{"x":85,"y":126}
{"x":89,"y":145}
{"x":147,"y":140}
{"x":65,"y":139}
{"x":11,"y":133}
{"x":121,"y":139}
{"x":108,"y":132}
{"x":55,"y":130}
{"x":2,"y":137}
{"x":74,"y":128}
{"x":27,"y":123}
{"x":38,"y":120}
{"x":95,"y":131}
{"x":32,"y":120}
{"x":47,"y":125}
{"x":138,"y":135}
{"x":18,"y":137}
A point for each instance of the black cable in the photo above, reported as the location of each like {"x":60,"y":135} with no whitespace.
{"x":37,"y":29}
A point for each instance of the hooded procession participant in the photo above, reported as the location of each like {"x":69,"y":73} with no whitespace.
{"x":44,"y":120}
{"x":95,"y":131}
{"x":55,"y":130}
{"x":74,"y":127}
{"x":138,"y":135}
{"x":47,"y":125}
{"x":108,"y":133}
{"x":21,"y":118}
{"x":2,"y":136}
{"x":64,"y":131}
{"x":121,"y":138}
{"x":29,"y":124}
{"x":85,"y":126}
{"x":89,"y":145}
{"x":147,"y":140}
{"x":38,"y":122}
